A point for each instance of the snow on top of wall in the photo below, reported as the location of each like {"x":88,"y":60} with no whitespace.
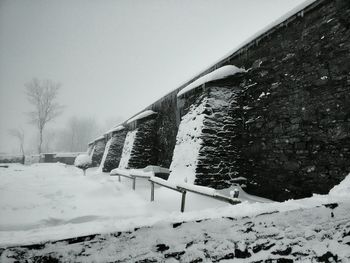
{"x":299,"y":8}
{"x":270,"y":26}
{"x":141,"y":116}
{"x":115,"y":129}
{"x":99,"y":138}
{"x":219,"y":73}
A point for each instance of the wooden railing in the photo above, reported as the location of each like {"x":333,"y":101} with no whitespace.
{"x":182,"y":188}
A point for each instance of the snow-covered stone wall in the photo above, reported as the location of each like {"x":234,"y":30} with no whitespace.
{"x":144,"y":151}
{"x":97,"y":154}
{"x":115,"y":151}
{"x":281,"y":127}
{"x":127,"y":149}
{"x":188,"y":143}
{"x":219,"y":156}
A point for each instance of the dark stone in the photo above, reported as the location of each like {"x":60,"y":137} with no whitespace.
{"x":285,"y":252}
{"x":175,"y":225}
{"x":162,"y":247}
{"x":328,"y":258}
{"x":331,"y":206}
{"x":242,"y":254}
{"x":176,"y":255}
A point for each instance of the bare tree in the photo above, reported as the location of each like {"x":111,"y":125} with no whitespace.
{"x":19,"y":135}
{"x":42,"y":95}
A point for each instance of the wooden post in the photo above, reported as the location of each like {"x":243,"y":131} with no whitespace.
{"x":134,"y":183}
{"x":183,"y":200}
{"x":119,"y":178}
{"x":152,"y":191}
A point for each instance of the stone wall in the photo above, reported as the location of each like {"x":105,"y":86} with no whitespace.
{"x":144,"y":151}
{"x":219,"y":155}
{"x":156,"y":136}
{"x":98,"y":152}
{"x":296,"y":137}
{"x":282,"y":129}
{"x":115,"y":151}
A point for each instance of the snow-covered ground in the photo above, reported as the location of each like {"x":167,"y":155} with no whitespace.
{"x":45,"y":202}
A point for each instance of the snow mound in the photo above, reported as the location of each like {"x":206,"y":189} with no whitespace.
{"x":341,"y":190}
{"x":141,"y":116}
{"x":188,"y":143}
{"x":127,"y":148}
{"x":217,"y":74}
{"x":102,"y":163}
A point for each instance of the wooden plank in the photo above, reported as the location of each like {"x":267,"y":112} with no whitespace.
{"x":216,"y":196}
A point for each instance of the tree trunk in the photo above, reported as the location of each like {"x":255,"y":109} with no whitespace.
{"x":40,"y":139}
{"x":23,"y":155}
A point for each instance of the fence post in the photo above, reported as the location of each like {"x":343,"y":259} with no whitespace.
{"x":133,"y":183}
{"x":152,"y":191}
{"x":119,"y":178}
{"x":183,"y":200}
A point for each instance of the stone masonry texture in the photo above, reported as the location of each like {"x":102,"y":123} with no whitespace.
{"x":115,"y":151}
{"x":282,"y":129}
{"x":285,"y":132}
{"x":144,"y":152}
{"x":98,"y":152}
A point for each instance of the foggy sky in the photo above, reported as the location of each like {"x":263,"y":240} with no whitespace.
{"x":114,"y":58}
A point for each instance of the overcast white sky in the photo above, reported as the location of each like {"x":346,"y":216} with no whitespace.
{"x":114,"y":58}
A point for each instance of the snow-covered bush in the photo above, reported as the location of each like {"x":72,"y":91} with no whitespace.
{"x":83,"y":161}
